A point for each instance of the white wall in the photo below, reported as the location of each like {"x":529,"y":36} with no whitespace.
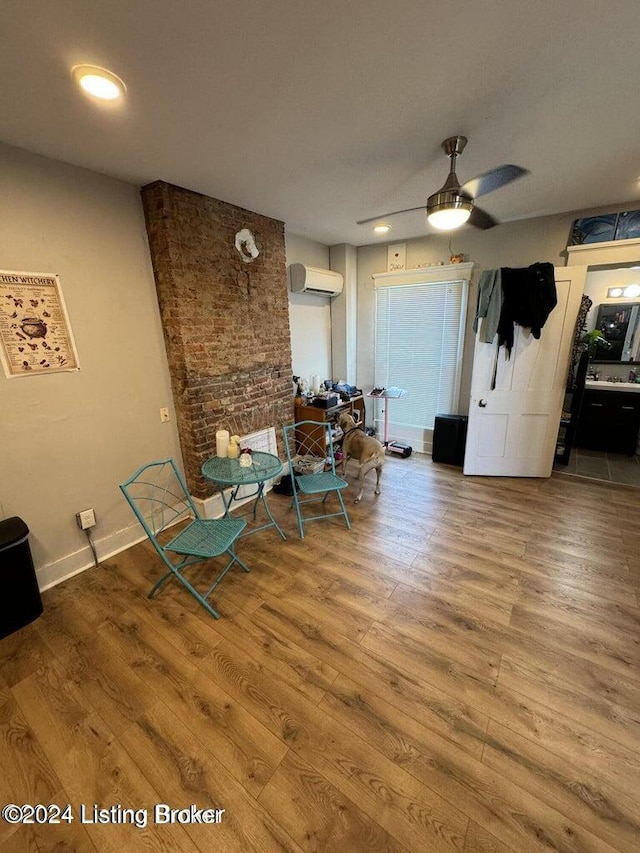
{"x":344,"y":314}
{"x":68,"y":439}
{"x":309,"y":316}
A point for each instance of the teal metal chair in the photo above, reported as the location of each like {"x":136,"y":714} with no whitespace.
{"x":312,"y":467}
{"x":158,"y":495}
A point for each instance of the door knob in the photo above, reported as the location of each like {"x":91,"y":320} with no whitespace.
{"x":482,"y":403}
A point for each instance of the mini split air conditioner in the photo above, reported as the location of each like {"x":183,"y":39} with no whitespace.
{"x":306,"y":279}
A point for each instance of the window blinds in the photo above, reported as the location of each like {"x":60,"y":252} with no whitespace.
{"x":419,"y":333}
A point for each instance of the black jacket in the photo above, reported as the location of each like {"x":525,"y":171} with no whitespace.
{"x":528,"y":297}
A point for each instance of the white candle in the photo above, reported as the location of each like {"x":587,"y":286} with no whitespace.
{"x":315,"y":384}
{"x":222,"y":443}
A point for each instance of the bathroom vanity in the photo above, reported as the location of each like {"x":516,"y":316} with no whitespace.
{"x":610,"y":416}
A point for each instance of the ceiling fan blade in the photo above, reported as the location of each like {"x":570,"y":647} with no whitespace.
{"x":481,"y":219}
{"x":384,"y":215}
{"x":492,"y":180}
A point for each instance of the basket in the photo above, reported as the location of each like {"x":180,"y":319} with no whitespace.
{"x":308,"y":465}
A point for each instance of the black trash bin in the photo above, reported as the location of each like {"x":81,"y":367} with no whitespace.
{"x":20,"y":602}
{"x":449,"y":439}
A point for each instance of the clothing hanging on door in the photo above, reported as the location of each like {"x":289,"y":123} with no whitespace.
{"x":489,"y":305}
{"x":528,"y":297}
{"x":508,"y":296}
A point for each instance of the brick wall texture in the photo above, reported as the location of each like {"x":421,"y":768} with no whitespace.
{"x":226,"y":322}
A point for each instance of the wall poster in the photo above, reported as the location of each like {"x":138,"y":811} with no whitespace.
{"x":396,"y":257}
{"x":35,"y":335}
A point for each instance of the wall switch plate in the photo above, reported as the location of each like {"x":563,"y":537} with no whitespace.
{"x":86,"y":518}
{"x":164,"y":415}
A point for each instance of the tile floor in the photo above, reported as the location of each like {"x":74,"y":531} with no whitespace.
{"x":599,"y":465}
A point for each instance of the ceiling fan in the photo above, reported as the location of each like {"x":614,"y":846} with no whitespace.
{"x":453,"y":204}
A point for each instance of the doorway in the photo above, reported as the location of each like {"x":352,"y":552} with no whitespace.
{"x":611,"y":267}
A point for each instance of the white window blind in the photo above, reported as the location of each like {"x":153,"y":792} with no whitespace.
{"x":419,"y":333}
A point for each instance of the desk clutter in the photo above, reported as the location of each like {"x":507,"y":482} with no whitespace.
{"x":326,"y":394}
{"x":326,"y":409}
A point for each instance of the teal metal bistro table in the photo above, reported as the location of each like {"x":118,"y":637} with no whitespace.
{"x":228,"y":472}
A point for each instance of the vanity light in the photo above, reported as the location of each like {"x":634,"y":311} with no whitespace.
{"x":382,"y":228}
{"x":631,"y":291}
{"x":98,"y":82}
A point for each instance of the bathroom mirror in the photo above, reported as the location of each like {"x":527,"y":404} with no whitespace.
{"x":619,"y":323}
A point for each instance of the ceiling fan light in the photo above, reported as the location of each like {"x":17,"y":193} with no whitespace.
{"x":445,"y":218}
{"x":448,"y":218}
{"x":447,"y":209}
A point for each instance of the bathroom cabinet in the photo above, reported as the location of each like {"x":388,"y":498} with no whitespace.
{"x":609,"y":420}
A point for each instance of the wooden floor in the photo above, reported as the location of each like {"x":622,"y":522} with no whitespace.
{"x":459,"y":672}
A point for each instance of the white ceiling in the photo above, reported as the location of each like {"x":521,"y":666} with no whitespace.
{"x":322,"y":113}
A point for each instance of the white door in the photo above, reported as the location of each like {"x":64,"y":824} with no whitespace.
{"x":513,"y":427}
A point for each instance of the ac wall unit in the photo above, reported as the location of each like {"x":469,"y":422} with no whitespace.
{"x":306,"y":279}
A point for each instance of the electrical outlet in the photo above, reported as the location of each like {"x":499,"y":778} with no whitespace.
{"x":86,"y":518}
{"x":164,"y":415}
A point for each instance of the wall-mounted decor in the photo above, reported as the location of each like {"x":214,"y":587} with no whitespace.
{"x":246,"y":245}
{"x":35,"y":335}
{"x":628,"y":226}
{"x":605,"y":228}
{"x":396,"y":257}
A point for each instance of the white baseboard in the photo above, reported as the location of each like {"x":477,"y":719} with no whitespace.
{"x":72,"y":564}
{"x":212,"y":507}
{"x":81,"y":560}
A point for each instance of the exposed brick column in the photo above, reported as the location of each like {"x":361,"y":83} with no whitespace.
{"x":226,"y":322}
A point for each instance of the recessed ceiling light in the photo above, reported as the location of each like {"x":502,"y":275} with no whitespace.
{"x":98,"y":82}
{"x":632,"y":290}
{"x":614,"y":292}
{"x":382,"y":228}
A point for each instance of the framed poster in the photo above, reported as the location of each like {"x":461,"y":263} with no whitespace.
{"x":594,"y":229}
{"x":35,"y":335}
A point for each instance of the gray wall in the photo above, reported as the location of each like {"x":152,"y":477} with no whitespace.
{"x":68,"y":439}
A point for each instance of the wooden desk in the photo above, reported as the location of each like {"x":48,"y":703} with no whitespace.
{"x":305,"y":412}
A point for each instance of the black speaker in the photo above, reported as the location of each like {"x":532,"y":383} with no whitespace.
{"x":449,"y":438}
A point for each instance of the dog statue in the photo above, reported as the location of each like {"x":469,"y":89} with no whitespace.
{"x":366,"y":449}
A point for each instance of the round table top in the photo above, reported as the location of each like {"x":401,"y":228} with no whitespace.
{"x":229,"y":473}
